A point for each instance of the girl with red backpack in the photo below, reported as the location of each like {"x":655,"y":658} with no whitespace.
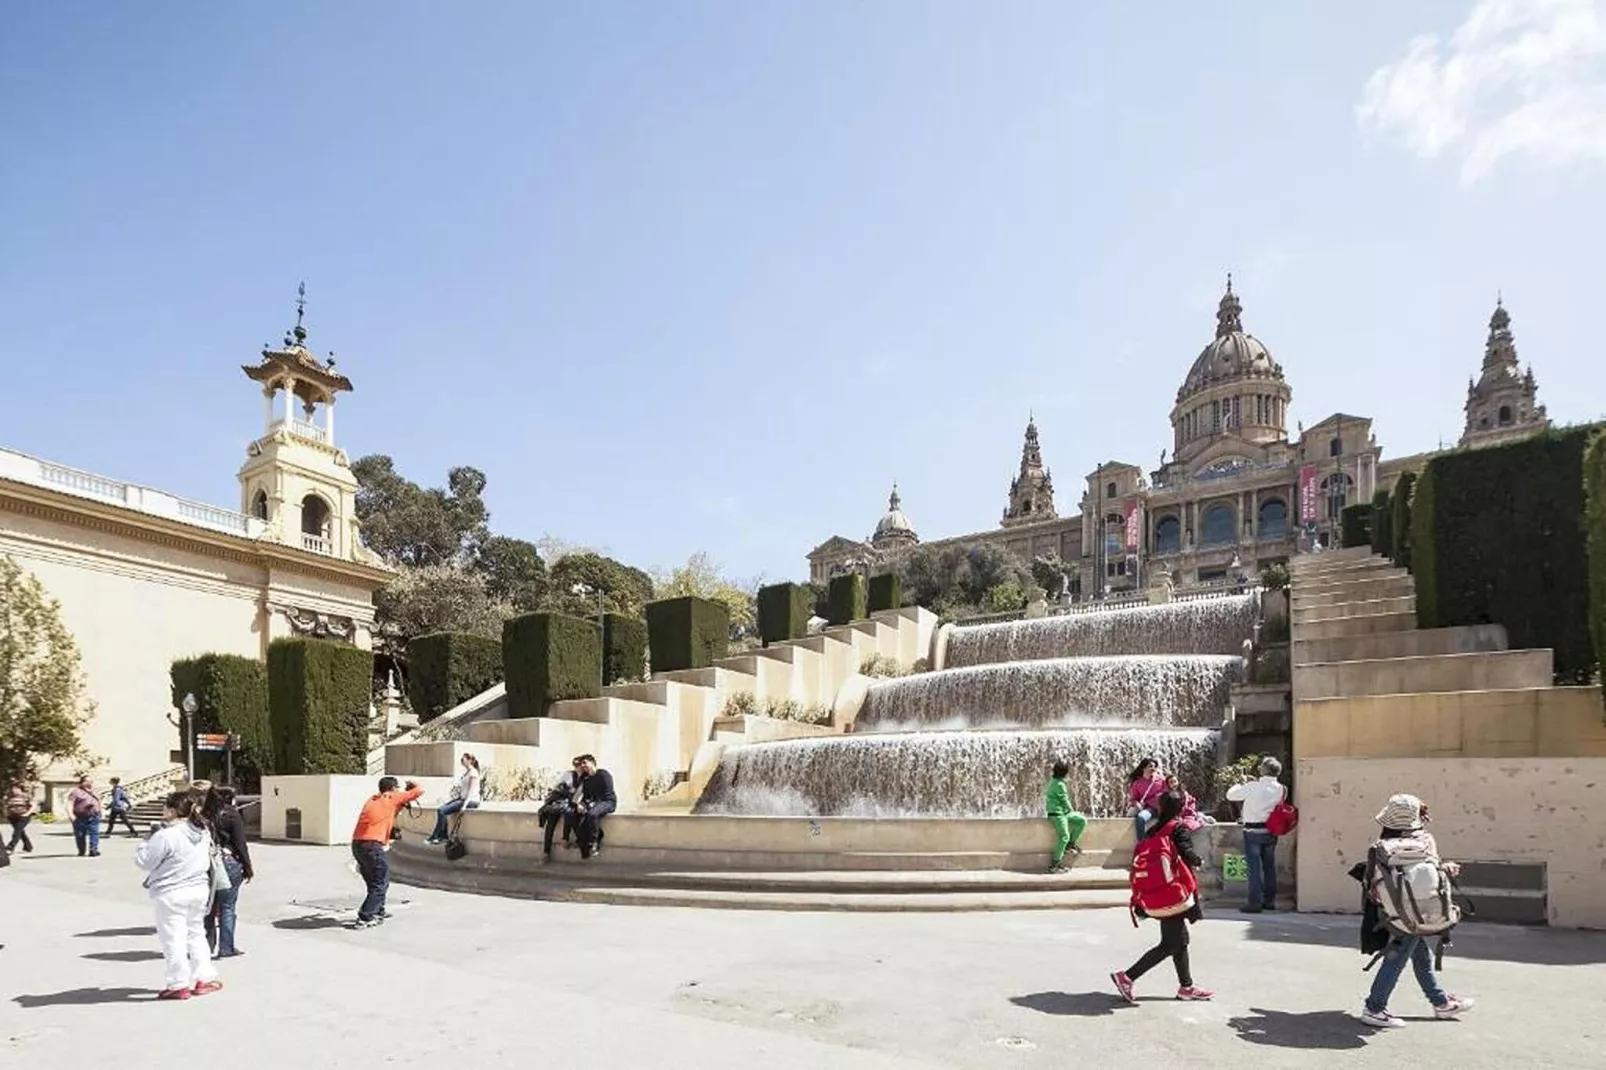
{"x":1164,"y":888}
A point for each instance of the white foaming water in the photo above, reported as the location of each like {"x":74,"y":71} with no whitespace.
{"x":1144,"y":689}
{"x":1207,"y":626}
{"x":998,"y":774}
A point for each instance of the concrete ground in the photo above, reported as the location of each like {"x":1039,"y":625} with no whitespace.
{"x":459,"y":976}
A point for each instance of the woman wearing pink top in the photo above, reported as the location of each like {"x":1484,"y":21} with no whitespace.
{"x":1147,"y":785}
{"x":1189,"y":818}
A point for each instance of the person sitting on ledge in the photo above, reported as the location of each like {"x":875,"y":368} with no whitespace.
{"x":1068,"y":824}
{"x":465,"y":796}
{"x":597,"y":801}
{"x":558,"y":808}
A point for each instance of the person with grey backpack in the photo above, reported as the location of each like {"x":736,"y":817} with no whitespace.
{"x":1408,"y":900}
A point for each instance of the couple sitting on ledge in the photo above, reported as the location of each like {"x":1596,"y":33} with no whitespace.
{"x":579,"y":802}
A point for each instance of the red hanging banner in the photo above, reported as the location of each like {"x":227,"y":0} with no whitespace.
{"x":1307,"y":494}
{"x":1134,"y":525}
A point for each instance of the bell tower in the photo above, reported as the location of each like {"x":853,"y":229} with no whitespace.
{"x":1031,"y":492}
{"x":295,"y":479}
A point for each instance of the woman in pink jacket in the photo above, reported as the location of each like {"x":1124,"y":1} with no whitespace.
{"x":1147,"y":785}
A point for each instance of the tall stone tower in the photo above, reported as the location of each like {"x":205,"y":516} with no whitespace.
{"x":295,"y":479}
{"x":1031,"y":492}
{"x":1502,"y":403}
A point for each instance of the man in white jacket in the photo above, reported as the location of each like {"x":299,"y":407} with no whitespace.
{"x":1259,"y":798}
{"x":177,"y":860}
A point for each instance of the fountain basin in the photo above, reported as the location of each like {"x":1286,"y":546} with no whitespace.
{"x":1209,"y":626}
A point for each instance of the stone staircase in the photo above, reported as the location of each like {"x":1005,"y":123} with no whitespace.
{"x":670,"y":730}
{"x":1359,"y":659}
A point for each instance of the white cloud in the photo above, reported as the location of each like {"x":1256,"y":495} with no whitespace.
{"x":1517,"y":78}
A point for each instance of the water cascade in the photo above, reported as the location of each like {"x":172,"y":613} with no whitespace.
{"x":1097,"y":690}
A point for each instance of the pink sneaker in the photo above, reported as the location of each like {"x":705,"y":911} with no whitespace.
{"x":1194,"y":993}
{"x":204,"y":988}
{"x":173,"y":993}
{"x":1123,"y":985}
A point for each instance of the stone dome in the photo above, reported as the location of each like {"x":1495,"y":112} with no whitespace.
{"x":1232,"y":354}
{"x":895,"y":524}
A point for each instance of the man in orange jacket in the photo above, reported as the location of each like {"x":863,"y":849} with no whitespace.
{"x":369,"y":842}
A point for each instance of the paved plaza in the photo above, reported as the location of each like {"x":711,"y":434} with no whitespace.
{"x":683,"y":988}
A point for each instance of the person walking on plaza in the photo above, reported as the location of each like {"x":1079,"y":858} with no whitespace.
{"x":1068,"y":824}
{"x":85,"y":807}
{"x":228,"y":831}
{"x":597,"y":801}
{"x":465,"y":796}
{"x":1164,"y":887}
{"x":19,"y":811}
{"x":1259,"y":798}
{"x":119,"y":806}
{"x":1147,"y":785}
{"x":177,"y":860}
{"x":1408,"y":897}
{"x":369,"y":842}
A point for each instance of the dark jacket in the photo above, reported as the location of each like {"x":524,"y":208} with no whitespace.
{"x":598,"y":788}
{"x":1375,"y":936}
{"x":229,"y":833}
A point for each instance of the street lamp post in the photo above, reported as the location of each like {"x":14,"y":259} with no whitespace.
{"x":583,"y":589}
{"x":189,"y":706}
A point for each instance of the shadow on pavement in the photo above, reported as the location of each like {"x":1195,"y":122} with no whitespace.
{"x":123,"y":956}
{"x":1318,"y":1030}
{"x":82,"y":997}
{"x":138,"y":930}
{"x":1079,"y":1004}
{"x":310,"y":921}
{"x":1535,"y":945}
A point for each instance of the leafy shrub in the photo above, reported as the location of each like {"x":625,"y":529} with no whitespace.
{"x":447,"y":669}
{"x":1382,"y":524}
{"x":738,"y":704}
{"x":318,"y":698}
{"x":520,"y":783}
{"x":549,"y":658}
{"x":742,"y":703}
{"x":686,"y":633}
{"x":1595,"y":503}
{"x":231,"y":695}
{"x":1497,"y":536}
{"x":1275,"y":577}
{"x":624,"y":648}
{"x":848,"y":601}
{"x":1355,"y":526}
{"x":783,"y":612}
{"x":1400,"y":524}
{"x":885,"y":592}
{"x":881,"y":666}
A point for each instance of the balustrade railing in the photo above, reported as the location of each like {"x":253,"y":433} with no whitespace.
{"x":82,"y":482}
{"x":212,"y":516}
{"x":316,"y":543}
{"x":302,"y":429}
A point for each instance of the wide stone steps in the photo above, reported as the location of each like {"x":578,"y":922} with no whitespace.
{"x":1498,"y":670}
{"x":1468,"y":639}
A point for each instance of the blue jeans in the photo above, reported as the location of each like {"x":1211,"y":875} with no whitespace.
{"x":220,"y":919}
{"x":375,"y":870}
{"x":444,"y":811}
{"x":1414,"y":948}
{"x":1260,"y":856}
{"x":86,"y":831}
{"x":589,"y":826}
{"x":1140,"y":823}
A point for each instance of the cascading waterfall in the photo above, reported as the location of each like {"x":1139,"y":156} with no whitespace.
{"x":1099,"y":691}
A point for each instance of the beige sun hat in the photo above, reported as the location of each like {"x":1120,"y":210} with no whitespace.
{"x":1403,"y":813}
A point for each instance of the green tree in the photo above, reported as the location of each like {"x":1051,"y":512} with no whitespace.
{"x":43,"y":707}
{"x":955,"y":580}
{"x":514,"y":572}
{"x":625,"y":590}
{"x":701,"y":576}
{"x":436,"y":598}
{"x":408,"y":525}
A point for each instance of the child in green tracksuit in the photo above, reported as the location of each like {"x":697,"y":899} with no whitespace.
{"x":1068,"y":824}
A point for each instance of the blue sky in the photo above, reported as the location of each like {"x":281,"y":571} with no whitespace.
{"x":709,"y":276}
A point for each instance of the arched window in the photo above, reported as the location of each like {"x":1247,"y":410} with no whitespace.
{"x":1335,"y":447}
{"x":1505,"y":415}
{"x":1218,"y":526}
{"x":259,"y":505}
{"x":1337,"y":489}
{"x":315,"y":516}
{"x":1273,"y":519}
{"x":1168,"y":535}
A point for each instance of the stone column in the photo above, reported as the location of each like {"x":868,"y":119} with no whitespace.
{"x":289,"y":401}
{"x":329,"y":419}
{"x":267,"y":407}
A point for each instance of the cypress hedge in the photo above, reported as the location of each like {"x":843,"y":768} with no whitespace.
{"x":624,"y":648}
{"x":449,"y":668}
{"x":885,"y":592}
{"x":847,"y":600}
{"x":686,"y":633}
{"x":1595,"y":505}
{"x":1382,"y":524}
{"x":1355,"y":525}
{"x":783,"y":612}
{"x":550,"y":657}
{"x":1400,"y":524}
{"x":1497,"y":536}
{"x":231,"y":695}
{"x":318,"y":698}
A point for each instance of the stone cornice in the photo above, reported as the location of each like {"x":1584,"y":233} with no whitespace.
{"x":112,"y":519}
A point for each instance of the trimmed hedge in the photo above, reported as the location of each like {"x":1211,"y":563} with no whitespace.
{"x":624,"y":648}
{"x":1400,"y":525}
{"x":783,"y":612}
{"x":449,"y":668}
{"x":1355,"y":526}
{"x":1497,"y":536}
{"x":885,"y":592}
{"x":686,"y":633}
{"x":231,"y":695}
{"x":1595,"y":518}
{"x":847,"y":600}
{"x":318,"y":696}
{"x":1382,"y":524}
{"x":548,"y":658}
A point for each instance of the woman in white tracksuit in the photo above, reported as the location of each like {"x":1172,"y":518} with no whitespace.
{"x":177,"y":860}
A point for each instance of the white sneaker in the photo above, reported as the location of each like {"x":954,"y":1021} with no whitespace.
{"x":1454,"y":1008}
{"x":1381,"y":1019}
